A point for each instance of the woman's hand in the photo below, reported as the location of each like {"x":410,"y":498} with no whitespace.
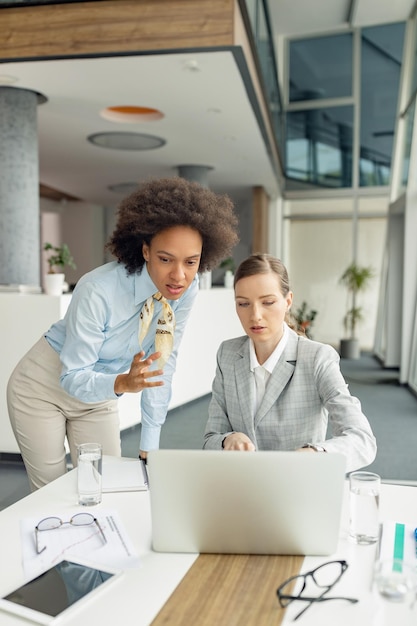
{"x":138,"y":376}
{"x":238,"y":441}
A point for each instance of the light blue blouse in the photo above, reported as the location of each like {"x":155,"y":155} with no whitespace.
{"x":98,"y":338}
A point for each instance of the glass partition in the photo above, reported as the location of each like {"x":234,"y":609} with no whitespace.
{"x":413,"y":369}
{"x":381,"y":60}
{"x":319,"y":146}
{"x":409,"y":125}
{"x":408,"y":115}
{"x":320,"y":67}
{"x":261,"y":29}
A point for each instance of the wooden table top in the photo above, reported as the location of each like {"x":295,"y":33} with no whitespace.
{"x":230,"y":589}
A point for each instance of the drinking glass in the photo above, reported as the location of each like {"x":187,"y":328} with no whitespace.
{"x":364,"y":507}
{"x":89,"y":473}
{"x":396,"y":585}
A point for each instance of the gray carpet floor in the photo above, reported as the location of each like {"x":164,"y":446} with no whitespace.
{"x":391,"y":409}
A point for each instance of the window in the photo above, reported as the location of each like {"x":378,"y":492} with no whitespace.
{"x":319,"y":146}
{"x":319,"y":141}
{"x":320,"y":67}
{"x":381,"y":58}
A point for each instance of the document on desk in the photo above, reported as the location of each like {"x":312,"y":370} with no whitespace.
{"x":103,"y":543}
{"x":398,"y":541}
{"x":124,"y":475}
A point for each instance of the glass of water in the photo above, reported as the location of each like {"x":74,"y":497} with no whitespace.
{"x":364,"y":507}
{"x":89,"y":473}
{"x":396,"y":585}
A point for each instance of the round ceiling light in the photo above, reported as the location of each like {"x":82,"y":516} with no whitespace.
{"x":126,"y":141}
{"x":131,"y":114}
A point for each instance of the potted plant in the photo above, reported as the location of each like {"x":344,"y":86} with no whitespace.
{"x":305,"y":318}
{"x":230,"y":266}
{"x":356,"y":279}
{"x":58,"y":258}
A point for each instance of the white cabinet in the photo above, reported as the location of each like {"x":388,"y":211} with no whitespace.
{"x":24,"y":318}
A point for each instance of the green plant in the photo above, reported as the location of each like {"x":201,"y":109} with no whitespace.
{"x":305,"y":318}
{"x":228,"y":264}
{"x":59,"y":257}
{"x":356,"y":279}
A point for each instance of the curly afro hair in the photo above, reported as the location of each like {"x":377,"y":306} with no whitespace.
{"x":166,"y":202}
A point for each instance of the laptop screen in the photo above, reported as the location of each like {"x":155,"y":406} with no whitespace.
{"x":245,"y":502}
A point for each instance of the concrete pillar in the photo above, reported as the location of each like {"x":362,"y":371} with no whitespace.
{"x":195,"y":173}
{"x":19,"y":187}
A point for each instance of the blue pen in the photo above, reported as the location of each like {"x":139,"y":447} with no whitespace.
{"x":415,"y":537}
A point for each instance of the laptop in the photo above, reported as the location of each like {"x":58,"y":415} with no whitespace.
{"x":267,"y":502}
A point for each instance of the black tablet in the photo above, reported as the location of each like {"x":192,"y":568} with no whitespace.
{"x":57,"y":591}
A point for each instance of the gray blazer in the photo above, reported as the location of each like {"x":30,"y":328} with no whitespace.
{"x":306,"y":390}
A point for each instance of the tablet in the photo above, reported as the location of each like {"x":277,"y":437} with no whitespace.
{"x":57,"y":591}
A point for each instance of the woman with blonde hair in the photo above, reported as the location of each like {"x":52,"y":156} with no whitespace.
{"x":274,"y":388}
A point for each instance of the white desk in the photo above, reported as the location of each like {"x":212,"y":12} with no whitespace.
{"x":397,"y":503}
{"x":142,"y":592}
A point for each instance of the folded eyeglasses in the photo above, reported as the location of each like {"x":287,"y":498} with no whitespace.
{"x":52,"y":523}
{"x":324,"y":577}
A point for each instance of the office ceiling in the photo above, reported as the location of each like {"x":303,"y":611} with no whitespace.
{"x":208,"y":118}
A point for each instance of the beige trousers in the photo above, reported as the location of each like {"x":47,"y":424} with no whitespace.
{"x":42,"y":414}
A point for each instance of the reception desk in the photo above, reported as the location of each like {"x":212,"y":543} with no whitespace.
{"x":25,"y":317}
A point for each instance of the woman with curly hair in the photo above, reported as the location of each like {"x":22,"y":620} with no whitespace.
{"x":67,"y":385}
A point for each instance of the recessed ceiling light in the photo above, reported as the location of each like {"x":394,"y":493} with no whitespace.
{"x":131,"y":114}
{"x":126,"y":141}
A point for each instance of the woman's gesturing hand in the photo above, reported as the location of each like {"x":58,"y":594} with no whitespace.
{"x":137,"y":378}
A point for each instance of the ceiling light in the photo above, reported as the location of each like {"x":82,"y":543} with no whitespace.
{"x":126,"y":141}
{"x":131,"y":114}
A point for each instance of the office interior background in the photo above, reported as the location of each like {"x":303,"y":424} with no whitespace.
{"x":303,"y":112}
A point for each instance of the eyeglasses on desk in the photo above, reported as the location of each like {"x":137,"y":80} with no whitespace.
{"x":324,"y":577}
{"x":52,"y":523}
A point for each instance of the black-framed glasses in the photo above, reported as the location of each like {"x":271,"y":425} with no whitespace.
{"x":52,"y":523}
{"x":324,"y":577}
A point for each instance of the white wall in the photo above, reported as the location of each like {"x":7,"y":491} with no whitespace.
{"x":81,"y":226}
{"x":320,"y":247}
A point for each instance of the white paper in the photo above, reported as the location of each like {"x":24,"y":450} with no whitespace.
{"x":77,"y":541}
{"x":405,"y":550}
{"x":126,"y":475}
